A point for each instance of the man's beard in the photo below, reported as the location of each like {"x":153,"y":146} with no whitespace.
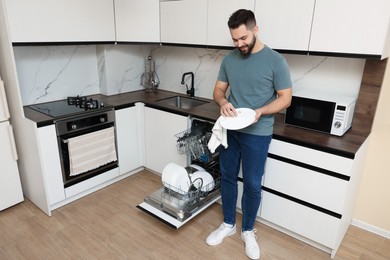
{"x":249,"y":49}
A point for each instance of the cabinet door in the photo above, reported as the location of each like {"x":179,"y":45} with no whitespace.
{"x":219,"y":12}
{"x":10,"y":186}
{"x":350,"y":26}
{"x":160,"y":141}
{"x":311,"y":189}
{"x":307,"y":185}
{"x":285,"y":24}
{"x":183,"y":21}
{"x":51,"y":165}
{"x":127,"y":139}
{"x":301,"y":220}
{"x":137,"y":20}
{"x":312,"y":157}
{"x":61,"y":20}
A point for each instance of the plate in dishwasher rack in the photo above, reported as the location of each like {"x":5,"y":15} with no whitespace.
{"x":207,"y":181}
{"x":175,"y":178}
{"x":245,"y":117}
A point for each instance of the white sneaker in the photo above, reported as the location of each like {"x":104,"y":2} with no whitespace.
{"x":252,"y":249}
{"x":216,"y":237}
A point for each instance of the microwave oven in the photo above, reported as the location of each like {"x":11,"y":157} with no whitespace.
{"x":328,"y":115}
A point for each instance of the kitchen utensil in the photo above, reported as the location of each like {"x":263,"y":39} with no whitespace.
{"x":245,"y":117}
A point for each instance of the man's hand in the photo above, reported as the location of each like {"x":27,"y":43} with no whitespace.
{"x":258,"y":115}
{"x":228,"y":110}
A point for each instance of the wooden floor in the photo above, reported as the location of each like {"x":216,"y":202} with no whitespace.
{"x":107,"y":225}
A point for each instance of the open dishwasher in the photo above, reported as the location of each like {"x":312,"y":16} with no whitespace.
{"x":187,"y":190}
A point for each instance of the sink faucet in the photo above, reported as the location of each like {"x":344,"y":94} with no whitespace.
{"x":190,"y":91}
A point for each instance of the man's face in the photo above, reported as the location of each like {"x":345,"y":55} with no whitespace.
{"x":243,"y":39}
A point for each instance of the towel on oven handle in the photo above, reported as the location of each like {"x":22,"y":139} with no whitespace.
{"x":92,"y":150}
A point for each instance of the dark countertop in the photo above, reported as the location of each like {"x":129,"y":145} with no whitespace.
{"x":346,"y":146}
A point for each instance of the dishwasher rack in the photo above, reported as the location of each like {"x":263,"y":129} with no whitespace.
{"x":171,"y":192}
{"x":193,"y":141}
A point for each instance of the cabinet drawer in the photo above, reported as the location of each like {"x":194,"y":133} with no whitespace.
{"x":307,"y":185}
{"x":312,"y":157}
{"x":302,"y":220}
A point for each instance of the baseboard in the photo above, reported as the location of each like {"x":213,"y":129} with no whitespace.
{"x":371,"y":228}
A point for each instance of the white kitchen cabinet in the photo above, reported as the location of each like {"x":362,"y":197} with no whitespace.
{"x":137,"y":20}
{"x":285,"y":24}
{"x":302,"y":220}
{"x":51,"y":165}
{"x":183,"y":21}
{"x":10,"y":186}
{"x":129,"y":154}
{"x":351,"y":26}
{"x":160,"y":141}
{"x":310,"y":194}
{"x":219,"y":11}
{"x":309,"y":185}
{"x":61,"y":20}
{"x":199,"y":22}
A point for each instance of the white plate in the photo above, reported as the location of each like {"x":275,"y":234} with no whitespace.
{"x":245,"y":117}
{"x":207,"y":182}
{"x":175,"y":178}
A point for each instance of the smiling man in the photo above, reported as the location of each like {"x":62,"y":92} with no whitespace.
{"x":258,"y":78}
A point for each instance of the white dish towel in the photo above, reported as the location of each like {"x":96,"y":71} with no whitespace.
{"x":218,"y":137}
{"x":90,"y":151}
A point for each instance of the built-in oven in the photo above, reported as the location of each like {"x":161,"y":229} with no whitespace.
{"x":86,"y":137}
{"x":87,"y":145}
{"x":189,"y":189}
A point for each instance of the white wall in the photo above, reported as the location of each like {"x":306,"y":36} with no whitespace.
{"x":373,"y":203}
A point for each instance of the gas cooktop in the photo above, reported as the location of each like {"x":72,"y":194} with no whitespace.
{"x":70,"y":107}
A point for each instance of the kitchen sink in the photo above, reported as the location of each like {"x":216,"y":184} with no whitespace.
{"x":182,"y":102}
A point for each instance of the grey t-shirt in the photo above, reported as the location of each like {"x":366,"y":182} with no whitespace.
{"x":253,"y":81}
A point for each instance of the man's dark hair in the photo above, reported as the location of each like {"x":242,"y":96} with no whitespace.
{"x":240,"y":17}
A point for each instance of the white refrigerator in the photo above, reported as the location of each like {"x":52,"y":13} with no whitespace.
{"x":10,"y":185}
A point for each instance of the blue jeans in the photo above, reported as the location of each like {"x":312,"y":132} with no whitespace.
{"x":252,"y":151}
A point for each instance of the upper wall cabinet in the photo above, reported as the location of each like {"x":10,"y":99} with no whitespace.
{"x":351,"y":26}
{"x":342,"y":28}
{"x":219,"y":12}
{"x":61,"y":20}
{"x":183,"y":21}
{"x":137,"y":20}
{"x":285,"y":24}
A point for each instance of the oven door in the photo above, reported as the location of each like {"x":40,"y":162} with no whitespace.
{"x":87,"y":155}
{"x":87,"y":147}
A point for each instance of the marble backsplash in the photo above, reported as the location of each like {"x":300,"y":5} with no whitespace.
{"x":48,"y":73}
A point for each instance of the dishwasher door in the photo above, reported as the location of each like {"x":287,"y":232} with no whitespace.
{"x":175,"y":208}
